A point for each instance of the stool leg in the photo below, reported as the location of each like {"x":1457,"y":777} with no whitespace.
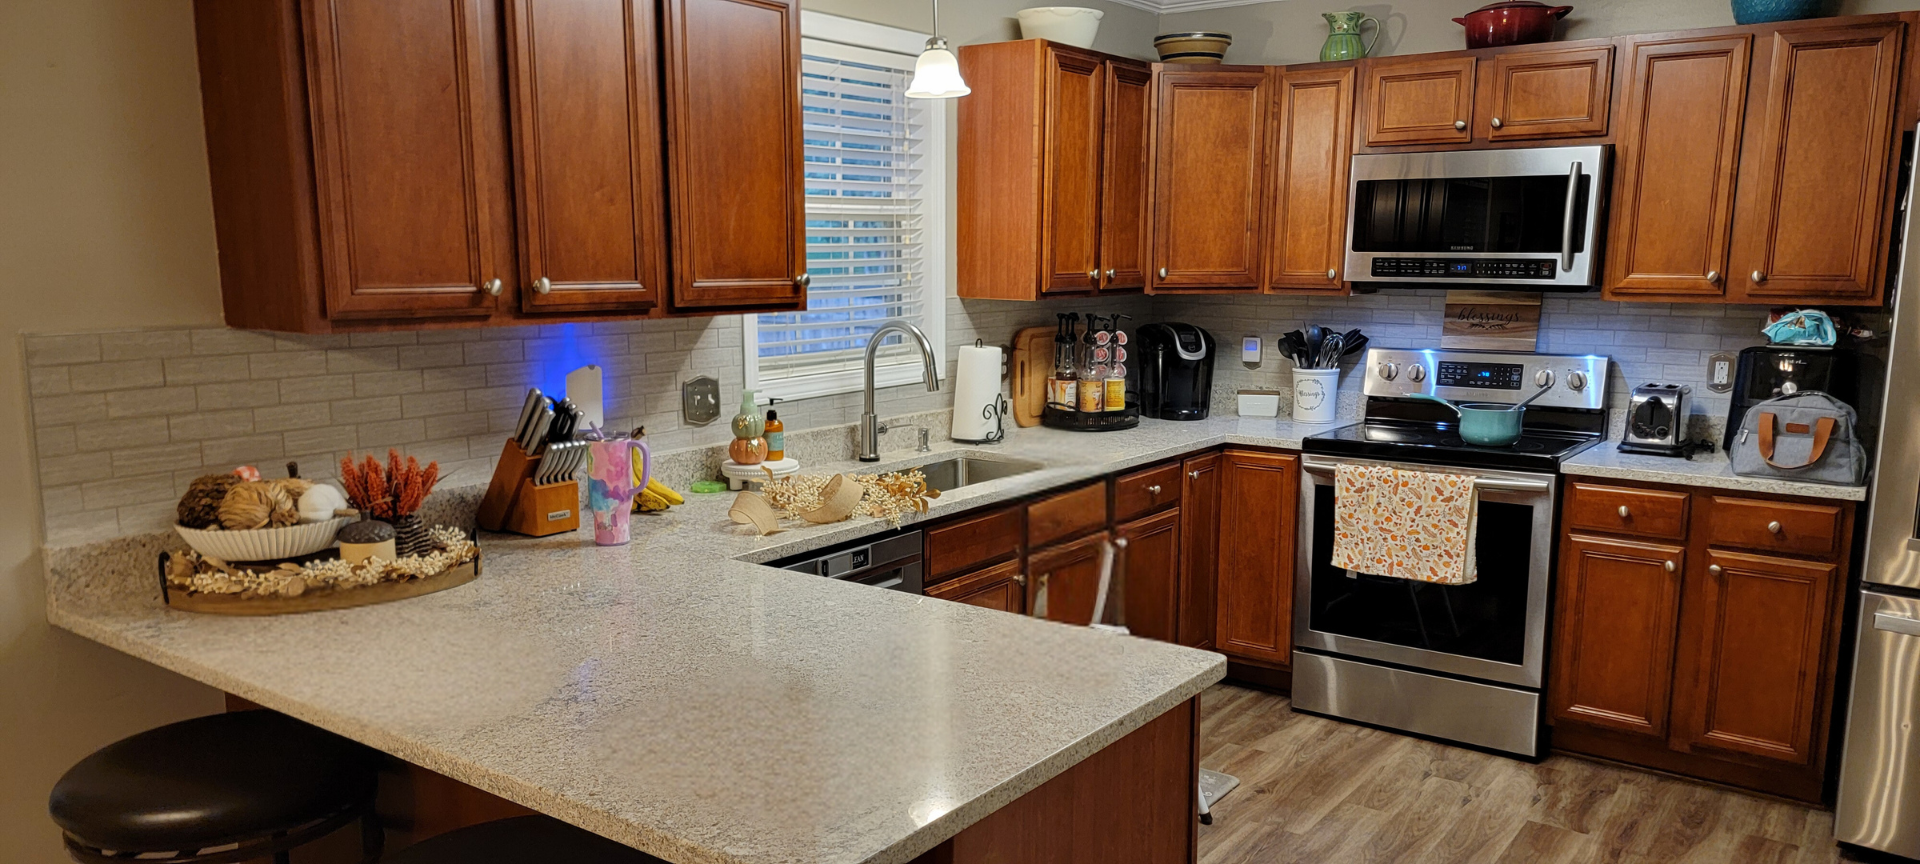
{"x":373,"y":838}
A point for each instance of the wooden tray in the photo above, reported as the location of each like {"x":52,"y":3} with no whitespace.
{"x":317,"y":600}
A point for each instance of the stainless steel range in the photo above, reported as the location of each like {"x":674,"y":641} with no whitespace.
{"x":1461,"y":662}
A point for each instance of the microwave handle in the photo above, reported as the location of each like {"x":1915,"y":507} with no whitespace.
{"x":1566,"y":225}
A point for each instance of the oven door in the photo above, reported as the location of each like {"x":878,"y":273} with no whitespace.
{"x":1493,"y":629}
{"x":1525,"y":219}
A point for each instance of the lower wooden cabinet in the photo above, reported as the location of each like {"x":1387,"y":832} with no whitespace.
{"x":1002,"y":586}
{"x":1151,"y":578}
{"x":1064,"y":580}
{"x":1199,"y":547}
{"x":1618,"y":605}
{"x":1258,"y":494}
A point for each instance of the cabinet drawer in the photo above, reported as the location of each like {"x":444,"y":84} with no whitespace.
{"x":1143,"y":492}
{"x":1617,"y":510}
{"x":970,"y":542}
{"x":1774,"y":526}
{"x":1067,"y":515}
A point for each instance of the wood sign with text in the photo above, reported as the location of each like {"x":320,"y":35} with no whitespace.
{"x":1495,"y":320}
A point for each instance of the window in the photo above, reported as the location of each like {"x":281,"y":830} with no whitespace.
{"x":874,"y":172}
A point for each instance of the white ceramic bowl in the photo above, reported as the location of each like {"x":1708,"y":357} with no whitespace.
{"x":263,"y":544}
{"x":1067,"y":25}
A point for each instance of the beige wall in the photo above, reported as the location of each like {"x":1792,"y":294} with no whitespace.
{"x":1291,"y":31}
{"x":108,"y":223}
{"x":1125,"y":30}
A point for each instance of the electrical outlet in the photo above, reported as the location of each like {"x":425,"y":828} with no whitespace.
{"x":1720,"y":372}
{"x":700,"y":400}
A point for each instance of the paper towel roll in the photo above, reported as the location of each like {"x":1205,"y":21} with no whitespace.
{"x":976,"y":387}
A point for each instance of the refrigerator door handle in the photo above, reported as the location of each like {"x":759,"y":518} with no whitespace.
{"x":1896,"y":624}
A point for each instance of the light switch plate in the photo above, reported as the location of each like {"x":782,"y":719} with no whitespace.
{"x":1720,"y":372}
{"x":700,"y":400}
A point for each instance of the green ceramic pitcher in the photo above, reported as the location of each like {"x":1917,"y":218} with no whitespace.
{"x":1343,"y":43}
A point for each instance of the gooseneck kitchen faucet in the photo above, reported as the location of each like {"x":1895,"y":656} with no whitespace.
{"x":870,"y":426}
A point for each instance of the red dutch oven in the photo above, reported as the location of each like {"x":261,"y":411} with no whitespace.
{"x":1515,"y":22}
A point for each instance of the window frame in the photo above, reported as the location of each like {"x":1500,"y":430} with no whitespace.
{"x":905,"y":45}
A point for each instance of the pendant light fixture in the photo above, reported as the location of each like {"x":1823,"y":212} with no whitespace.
{"x":936,"y":75}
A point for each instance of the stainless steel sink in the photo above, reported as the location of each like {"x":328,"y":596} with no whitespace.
{"x":950,"y":474}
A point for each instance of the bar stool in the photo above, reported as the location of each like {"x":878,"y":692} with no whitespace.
{"x":223,"y":788}
{"x":520,"y":840}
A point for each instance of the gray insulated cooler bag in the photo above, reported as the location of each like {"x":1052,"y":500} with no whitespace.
{"x":1807,"y":436}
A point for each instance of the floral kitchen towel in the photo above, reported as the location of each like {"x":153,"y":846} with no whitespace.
{"x":1405,"y":524}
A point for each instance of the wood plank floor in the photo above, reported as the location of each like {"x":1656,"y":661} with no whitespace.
{"x":1316,"y":791}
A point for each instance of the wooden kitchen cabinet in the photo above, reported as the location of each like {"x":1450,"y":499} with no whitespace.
{"x":1199,"y":548}
{"x":734,"y":153}
{"x":1259,"y":494}
{"x":1002,"y":586}
{"x":588,"y":156}
{"x":1210,"y":129}
{"x":1064,"y":581}
{"x":1052,"y":172}
{"x":1615,"y":618}
{"x":1812,"y":214}
{"x":1549,"y":93}
{"x":1311,"y":150}
{"x":1415,"y":100}
{"x":1151,"y":574}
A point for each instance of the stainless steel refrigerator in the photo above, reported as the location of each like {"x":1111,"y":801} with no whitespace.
{"x":1879,"y":801}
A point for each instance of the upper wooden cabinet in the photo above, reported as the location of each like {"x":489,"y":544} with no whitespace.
{"x":1549,"y":93}
{"x":1415,"y":100}
{"x":587,"y":153}
{"x":1811,"y":221}
{"x":1210,"y":128}
{"x":1052,"y":171}
{"x":1311,"y":149}
{"x":734,"y":150}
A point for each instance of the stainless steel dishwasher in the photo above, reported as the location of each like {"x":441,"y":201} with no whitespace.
{"x":891,"y":562}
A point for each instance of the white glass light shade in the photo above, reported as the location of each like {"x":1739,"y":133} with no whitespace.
{"x":936,"y":75}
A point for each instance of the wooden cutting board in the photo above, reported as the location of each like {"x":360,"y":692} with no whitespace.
{"x":1027,"y":376}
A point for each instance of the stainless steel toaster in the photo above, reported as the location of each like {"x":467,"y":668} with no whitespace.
{"x":1657,"y":420}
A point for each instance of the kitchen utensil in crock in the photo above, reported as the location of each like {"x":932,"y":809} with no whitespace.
{"x":1513,"y":22}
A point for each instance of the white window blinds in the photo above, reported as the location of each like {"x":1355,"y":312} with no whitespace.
{"x":868,"y":174}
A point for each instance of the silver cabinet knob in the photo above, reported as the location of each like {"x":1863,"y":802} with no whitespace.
{"x":1713,"y":277}
{"x":1154,"y":489}
{"x":1715,"y":569}
{"x":803,"y":280}
{"x":1163,"y":272}
{"x":1576,"y":380}
{"x":1416,"y":373}
{"x":1109,"y":274}
{"x":543,"y":285}
{"x":1388,"y":371}
{"x":1332,"y":272}
{"x":1624,"y":512}
{"x":1459,"y":124}
{"x":1668,"y":566}
{"x":1093,"y":276}
{"x":1019,"y":578}
{"x":1195,"y":474}
{"x":1543,"y":378}
{"x":1759,"y":277}
{"x":1496,"y":122}
{"x":1773,"y":527}
{"x":494,"y":287}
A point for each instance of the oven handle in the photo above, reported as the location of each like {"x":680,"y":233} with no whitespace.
{"x":1566,"y":225}
{"x":1485,"y":484}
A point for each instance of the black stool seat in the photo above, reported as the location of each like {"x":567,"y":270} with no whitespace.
{"x":211,"y":781}
{"x":520,"y":840}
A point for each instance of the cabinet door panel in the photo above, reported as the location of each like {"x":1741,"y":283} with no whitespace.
{"x":1258,"y":492}
{"x":1199,"y":548}
{"x":1152,"y":575}
{"x":1311,"y":151}
{"x":733,"y":147}
{"x":1210,"y":128}
{"x":1813,"y":200}
{"x":404,"y":135}
{"x":587,"y":151}
{"x":1676,"y":158}
{"x":1551,"y":94}
{"x":1123,"y":178}
{"x":1618,"y":607}
{"x":1064,"y":581}
{"x":1755,"y":631}
{"x":1419,"y":101}
{"x":1076,"y":84}
{"x":1001,"y":587}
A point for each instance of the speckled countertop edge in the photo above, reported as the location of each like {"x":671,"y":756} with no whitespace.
{"x":1709,"y":470}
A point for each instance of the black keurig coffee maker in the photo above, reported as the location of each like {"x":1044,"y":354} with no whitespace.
{"x":1176,"y":371}
{"x":1769,"y":371}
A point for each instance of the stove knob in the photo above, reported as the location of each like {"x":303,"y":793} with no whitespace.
{"x":1789,"y":388}
{"x":1543,"y":378}
{"x":1576,"y":381}
{"x":1416,"y":373}
{"x":1388,"y":371}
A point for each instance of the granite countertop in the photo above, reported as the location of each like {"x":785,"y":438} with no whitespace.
{"x":1711,"y":470}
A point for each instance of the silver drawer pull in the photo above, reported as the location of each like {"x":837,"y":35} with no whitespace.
{"x":1896,"y":624}
{"x":1195,"y":474}
{"x":1624,"y":512}
{"x":1668,"y":566}
{"x":1154,"y":489}
{"x":1773,"y":527}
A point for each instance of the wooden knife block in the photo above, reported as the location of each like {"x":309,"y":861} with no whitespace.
{"x":513,"y":503}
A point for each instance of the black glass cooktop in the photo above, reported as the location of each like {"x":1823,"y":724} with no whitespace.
{"x":1440,"y":444}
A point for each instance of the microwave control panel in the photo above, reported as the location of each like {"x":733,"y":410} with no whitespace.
{"x":1463,"y":268}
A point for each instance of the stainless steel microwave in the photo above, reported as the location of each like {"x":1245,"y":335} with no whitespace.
{"x":1525,"y":219}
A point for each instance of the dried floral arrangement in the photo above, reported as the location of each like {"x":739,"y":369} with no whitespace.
{"x":890,"y":496}
{"x":388,"y":492}
{"x":197,"y":574}
{"x":240,"y":500}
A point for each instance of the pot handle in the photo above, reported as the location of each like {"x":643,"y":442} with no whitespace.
{"x":1560,"y":11}
{"x":1432,"y":398}
{"x":1463,"y":22}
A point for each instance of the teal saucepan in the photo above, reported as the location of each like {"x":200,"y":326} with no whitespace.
{"x":1485,"y":424}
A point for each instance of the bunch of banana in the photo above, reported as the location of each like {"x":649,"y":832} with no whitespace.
{"x":655,"y":497}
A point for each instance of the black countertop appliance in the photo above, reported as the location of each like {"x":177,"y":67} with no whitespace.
{"x":1176,"y":371}
{"x":1769,"y":371}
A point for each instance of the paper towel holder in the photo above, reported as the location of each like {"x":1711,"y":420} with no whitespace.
{"x":997,"y":412}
